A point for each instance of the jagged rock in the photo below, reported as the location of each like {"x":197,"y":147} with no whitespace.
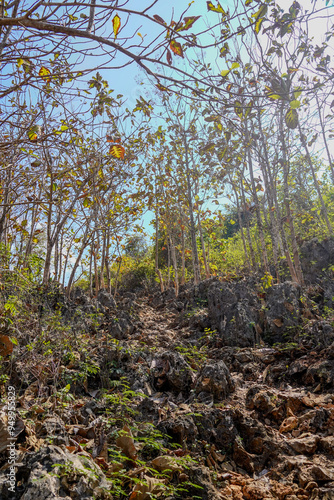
{"x":326,"y":444}
{"x":261,"y":399}
{"x":242,"y":457}
{"x":321,"y":372}
{"x":54,"y":473}
{"x":316,"y":256}
{"x":53,"y":428}
{"x":283,"y":311}
{"x":121,"y":327}
{"x":306,"y":445}
{"x":233,"y":311}
{"x":215,"y":378}
{"x":216,"y":426}
{"x":200,"y":476}
{"x":171,"y":373}
{"x":106,"y":299}
{"x":180,"y":429}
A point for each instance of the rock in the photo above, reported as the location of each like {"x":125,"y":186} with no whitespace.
{"x":203,"y":488}
{"x":54,"y":473}
{"x":216,"y":426}
{"x":289,"y":424}
{"x":121,"y":327}
{"x":171,"y":373}
{"x":241,"y":457}
{"x":53,"y":428}
{"x":316,"y":256}
{"x":215,"y":378}
{"x":283,"y":311}
{"x":306,"y":445}
{"x":261,"y":400}
{"x":233,"y":311}
{"x":106,"y":299}
{"x":180,"y":429}
{"x":326,"y":444}
{"x":321,"y":372}
{"x":257,"y":490}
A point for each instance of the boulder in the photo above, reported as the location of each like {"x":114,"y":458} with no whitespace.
{"x":234,"y":312}
{"x":283,"y":311}
{"x":106,"y":299}
{"x":215,"y":378}
{"x":171,"y":372}
{"x":54,"y":473}
{"x":316,"y":257}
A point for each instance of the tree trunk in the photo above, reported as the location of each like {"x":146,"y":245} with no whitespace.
{"x":197,"y":272}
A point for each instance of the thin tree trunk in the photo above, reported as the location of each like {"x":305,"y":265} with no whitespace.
{"x":263,"y":253}
{"x":331,"y":166}
{"x":296,"y":260}
{"x":197,"y":272}
{"x":315,"y":181}
{"x":251,"y":249}
{"x":157,"y":270}
{"x":206,"y":267}
{"x":174,"y":261}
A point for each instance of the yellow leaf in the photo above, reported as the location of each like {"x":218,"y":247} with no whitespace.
{"x":117,"y":151}
{"x":116,"y":23}
{"x":45,"y":74}
{"x":176,"y":48}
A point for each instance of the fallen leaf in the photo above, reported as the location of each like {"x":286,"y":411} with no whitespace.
{"x":166,"y":462}
{"x":278,"y":322}
{"x":126,"y":442}
{"x":144,"y":491}
{"x":6,"y":345}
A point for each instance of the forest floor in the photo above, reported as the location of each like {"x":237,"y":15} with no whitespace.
{"x":143,"y":402}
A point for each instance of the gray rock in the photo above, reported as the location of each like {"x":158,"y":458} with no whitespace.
{"x":316,"y":257}
{"x":53,"y":428}
{"x":172,"y":373}
{"x":215,"y":378}
{"x":283,"y":311}
{"x":233,"y":311}
{"x":106,"y":299}
{"x":54,"y":473}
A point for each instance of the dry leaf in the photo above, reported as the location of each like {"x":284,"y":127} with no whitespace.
{"x":6,"y":345}
{"x":144,"y":491}
{"x":166,"y":462}
{"x":278,"y":322}
{"x":289,"y":306}
{"x":126,"y":443}
{"x":4,"y":436}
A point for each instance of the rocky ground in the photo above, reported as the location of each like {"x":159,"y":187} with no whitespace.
{"x":225,"y":392}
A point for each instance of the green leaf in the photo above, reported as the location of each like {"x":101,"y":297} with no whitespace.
{"x":294,"y":104}
{"x":291,"y":118}
{"x":188,"y":22}
{"x":297,"y":92}
{"x":225,"y":72}
{"x":248,"y":108}
{"x":238,"y":108}
{"x":259,"y":17}
{"x":33,"y":132}
{"x":218,"y":9}
{"x":87,"y":202}
{"x":261,"y":12}
{"x":258,"y":25}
